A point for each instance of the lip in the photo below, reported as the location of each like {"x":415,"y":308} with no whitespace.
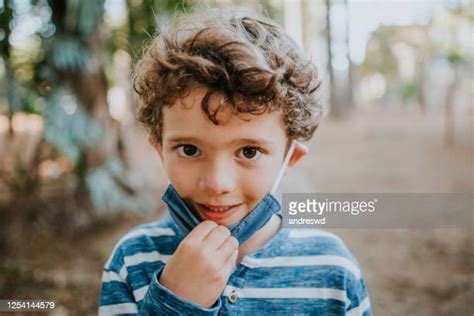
{"x":216,"y":215}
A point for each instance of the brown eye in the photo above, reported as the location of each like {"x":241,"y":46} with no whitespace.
{"x":250,"y":153}
{"x":188,"y":151}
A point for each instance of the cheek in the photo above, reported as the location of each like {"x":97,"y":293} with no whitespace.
{"x":256,"y":184}
{"x":181,"y":176}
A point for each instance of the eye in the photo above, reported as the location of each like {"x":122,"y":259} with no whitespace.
{"x":188,"y":151}
{"x":250,"y":153}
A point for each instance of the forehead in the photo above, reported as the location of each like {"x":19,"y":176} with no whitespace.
{"x":186,"y":118}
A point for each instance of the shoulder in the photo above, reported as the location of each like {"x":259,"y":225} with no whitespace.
{"x":315,"y":242}
{"x":154,"y":237}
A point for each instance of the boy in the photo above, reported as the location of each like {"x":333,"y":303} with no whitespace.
{"x":224,"y":96}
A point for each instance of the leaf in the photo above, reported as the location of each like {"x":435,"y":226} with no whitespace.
{"x":68,"y":54}
{"x":68,"y":127}
{"x":90,"y":15}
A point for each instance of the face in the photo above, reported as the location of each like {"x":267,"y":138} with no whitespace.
{"x":222,"y":171}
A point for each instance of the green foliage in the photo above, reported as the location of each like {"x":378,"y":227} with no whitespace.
{"x":456,"y":57}
{"x":67,"y":54}
{"x":408,"y":90}
{"x":89,"y":15}
{"x":380,"y":55}
{"x":68,"y":127}
{"x":11,"y":90}
{"x":32,"y":105}
{"x":6,"y":16}
{"x":145,"y":17}
{"x":78,"y":16}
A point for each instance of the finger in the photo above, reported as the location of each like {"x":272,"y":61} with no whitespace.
{"x":228,"y":247}
{"x":216,"y":237}
{"x":202,"y":230}
{"x":230,"y":264}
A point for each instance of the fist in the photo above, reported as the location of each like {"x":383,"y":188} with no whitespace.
{"x":201,"y":265}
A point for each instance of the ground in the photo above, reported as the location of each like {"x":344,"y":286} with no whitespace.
{"x":408,"y":272}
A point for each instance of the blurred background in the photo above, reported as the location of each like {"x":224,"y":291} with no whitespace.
{"x":76,"y":171}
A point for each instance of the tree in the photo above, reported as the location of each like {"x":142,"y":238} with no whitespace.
{"x":67,"y":70}
{"x":341,"y":77}
{"x":459,"y":61}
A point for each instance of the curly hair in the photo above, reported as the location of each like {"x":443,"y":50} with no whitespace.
{"x":256,"y":66}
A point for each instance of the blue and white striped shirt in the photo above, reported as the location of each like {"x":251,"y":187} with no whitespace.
{"x":298,"y":272}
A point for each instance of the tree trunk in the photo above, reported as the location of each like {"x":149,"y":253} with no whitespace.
{"x":350,"y":94}
{"x":332,"y":97}
{"x":449,"y":126}
{"x":420,"y":83}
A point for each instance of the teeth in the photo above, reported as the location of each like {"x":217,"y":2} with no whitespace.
{"x":219,"y":209}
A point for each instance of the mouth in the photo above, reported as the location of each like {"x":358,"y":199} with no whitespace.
{"x":217,"y":212}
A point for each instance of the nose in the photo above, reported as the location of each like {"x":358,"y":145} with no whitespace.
{"x":217,"y":177}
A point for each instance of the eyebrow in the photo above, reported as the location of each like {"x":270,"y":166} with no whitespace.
{"x":253,"y":141}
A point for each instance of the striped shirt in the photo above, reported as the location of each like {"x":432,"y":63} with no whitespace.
{"x":298,"y":272}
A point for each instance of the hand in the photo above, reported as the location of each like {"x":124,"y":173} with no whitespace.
{"x":201,"y":265}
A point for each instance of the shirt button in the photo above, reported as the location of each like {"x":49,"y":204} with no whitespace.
{"x":232,"y":298}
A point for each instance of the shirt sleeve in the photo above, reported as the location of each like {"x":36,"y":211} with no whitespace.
{"x":359,"y":298}
{"x":161,"y":301}
{"x":116,"y":296}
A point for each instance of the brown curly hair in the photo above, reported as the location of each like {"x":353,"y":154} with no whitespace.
{"x":256,"y":66}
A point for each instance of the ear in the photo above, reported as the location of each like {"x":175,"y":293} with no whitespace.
{"x":158,"y":147}
{"x":299,"y":152}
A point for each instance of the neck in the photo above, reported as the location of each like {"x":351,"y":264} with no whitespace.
{"x":260,"y":238}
